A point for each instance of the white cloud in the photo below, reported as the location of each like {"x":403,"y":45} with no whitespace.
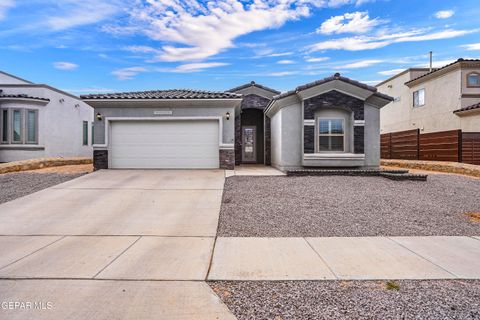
{"x":285,"y":62}
{"x":319,"y":59}
{"x":355,"y":22}
{"x":437,"y":63}
{"x":359,"y":64}
{"x":195,"y":67}
{"x":444,"y":14}
{"x":358,"y":43}
{"x":196,"y":30}
{"x":390,"y":72}
{"x":472,"y":46}
{"x":128,"y":73}
{"x":73,"y":13}
{"x":280,"y":74}
{"x":5,"y":5}
{"x":141,"y":49}
{"x":281,"y":54}
{"x":67,"y":66}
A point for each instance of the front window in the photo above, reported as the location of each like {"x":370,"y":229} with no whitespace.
{"x":17,"y":126}
{"x":85,"y":133}
{"x":473,"y":80}
{"x":419,"y":98}
{"x":331,"y":135}
{"x":5,"y":126}
{"x":31,"y":126}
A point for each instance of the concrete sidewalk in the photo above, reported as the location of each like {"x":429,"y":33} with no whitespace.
{"x":363,"y":258}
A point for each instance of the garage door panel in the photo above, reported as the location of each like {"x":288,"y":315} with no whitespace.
{"x":165,"y":144}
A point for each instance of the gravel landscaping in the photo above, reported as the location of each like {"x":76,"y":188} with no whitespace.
{"x":282,"y":300}
{"x":349,"y":206}
{"x":16,"y":185}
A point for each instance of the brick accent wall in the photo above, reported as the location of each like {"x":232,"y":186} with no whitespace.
{"x":358,"y":139}
{"x":268,"y":142}
{"x":252,"y":101}
{"x":333,"y":99}
{"x":227,"y":159}
{"x":238,"y":140}
{"x":308,"y":139}
{"x":100,"y":159}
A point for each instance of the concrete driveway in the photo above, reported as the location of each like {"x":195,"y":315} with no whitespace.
{"x":81,"y":246}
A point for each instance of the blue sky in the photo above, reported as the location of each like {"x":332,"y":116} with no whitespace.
{"x":127,"y":45}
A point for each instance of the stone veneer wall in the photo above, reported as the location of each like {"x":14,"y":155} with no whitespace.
{"x":268,"y":141}
{"x":100,"y":159}
{"x":238,"y":140}
{"x":227,"y":159}
{"x":333,"y":99}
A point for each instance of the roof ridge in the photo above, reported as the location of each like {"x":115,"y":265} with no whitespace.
{"x":165,"y":94}
{"x":253,"y":84}
{"x":441,"y":68}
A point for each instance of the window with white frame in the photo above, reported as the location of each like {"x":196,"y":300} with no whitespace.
{"x":331,"y":135}
{"x":19,"y":126}
{"x":419,"y":98}
{"x":473,"y":79}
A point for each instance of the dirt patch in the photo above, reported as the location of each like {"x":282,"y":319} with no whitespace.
{"x":82,"y":168}
{"x":474,"y":216}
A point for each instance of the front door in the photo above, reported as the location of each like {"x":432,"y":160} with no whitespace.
{"x":249,"y":144}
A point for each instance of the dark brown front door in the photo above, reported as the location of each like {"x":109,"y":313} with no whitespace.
{"x":249,"y":144}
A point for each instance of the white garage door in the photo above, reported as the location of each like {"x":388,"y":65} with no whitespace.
{"x":164,"y":144}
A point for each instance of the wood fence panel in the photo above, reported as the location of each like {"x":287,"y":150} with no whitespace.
{"x":404,"y":145}
{"x":471,"y":147}
{"x":385,"y":146}
{"x":441,"y":146}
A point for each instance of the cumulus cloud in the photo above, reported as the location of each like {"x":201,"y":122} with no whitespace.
{"x":128,"y":73}
{"x":355,"y":22}
{"x":444,"y":14}
{"x":358,"y":43}
{"x":318,"y":59}
{"x":5,"y":5}
{"x":285,"y":62}
{"x":67,"y":66}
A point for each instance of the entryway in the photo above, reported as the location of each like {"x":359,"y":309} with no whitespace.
{"x":252,"y":133}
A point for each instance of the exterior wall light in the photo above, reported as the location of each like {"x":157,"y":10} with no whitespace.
{"x":227,"y":115}
{"x":99,"y":116}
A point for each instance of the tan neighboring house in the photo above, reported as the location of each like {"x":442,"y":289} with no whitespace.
{"x":443,"y":99}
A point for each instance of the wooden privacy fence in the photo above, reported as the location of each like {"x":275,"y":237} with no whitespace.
{"x":453,"y":145}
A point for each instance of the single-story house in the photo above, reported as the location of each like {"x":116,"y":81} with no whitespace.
{"x":38,"y":121}
{"x":333,"y":122}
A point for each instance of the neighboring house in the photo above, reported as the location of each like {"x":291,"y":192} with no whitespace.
{"x":39,"y":121}
{"x":443,"y":99}
{"x":329,"y":123}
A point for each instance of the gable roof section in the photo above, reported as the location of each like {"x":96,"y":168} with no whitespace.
{"x":468,"y":108}
{"x":336,"y":76}
{"x":253,"y":84}
{"x":439,"y":71}
{"x":175,"y":94}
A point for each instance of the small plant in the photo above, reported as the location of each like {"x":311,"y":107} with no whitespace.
{"x":392,"y":285}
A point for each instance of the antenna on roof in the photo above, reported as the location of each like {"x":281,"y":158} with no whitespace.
{"x":431,"y":60}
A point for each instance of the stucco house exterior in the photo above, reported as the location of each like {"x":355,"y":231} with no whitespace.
{"x":333,"y":122}
{"x":442,"y":99}
{"x":38,"y":121}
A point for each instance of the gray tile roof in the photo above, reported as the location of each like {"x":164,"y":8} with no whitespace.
{"x":468,"y":108}
{"x":165,"y":94}
{"x":20,"y":96}
{"x":253,"y":84}
{"x":445,"y":66}
{"x":336,"y":76}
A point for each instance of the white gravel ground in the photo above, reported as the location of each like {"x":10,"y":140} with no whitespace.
{"x":16,"y":185}
{"x":348,"y":206}
{"x":282,"y":300}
